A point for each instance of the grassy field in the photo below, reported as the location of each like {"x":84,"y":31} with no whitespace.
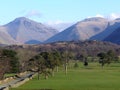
{"x":92,"y":77}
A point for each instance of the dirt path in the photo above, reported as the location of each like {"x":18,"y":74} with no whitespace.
{"x":16,"y":82}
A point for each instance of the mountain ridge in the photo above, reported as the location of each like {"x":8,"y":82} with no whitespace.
{"x":114,"y":37}
{"x":23,"y":29}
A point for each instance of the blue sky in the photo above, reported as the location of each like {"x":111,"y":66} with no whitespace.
{"x":56,"y":11}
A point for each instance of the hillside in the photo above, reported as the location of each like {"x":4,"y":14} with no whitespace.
{"x":82,"y":30}
{"x":111,"y":27}
{"x":5,"y":38}
{"x":87,"y":48}
{"x":114,"y":37}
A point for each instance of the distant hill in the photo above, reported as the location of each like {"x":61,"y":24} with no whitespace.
{"x":76,"y":48}
{"x":82,"y":30}
{"x":32,"y":42}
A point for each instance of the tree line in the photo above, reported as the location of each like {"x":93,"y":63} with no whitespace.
{"x":9,"y":62}
{"x":46,"y":63}
{"x":45,"y":59}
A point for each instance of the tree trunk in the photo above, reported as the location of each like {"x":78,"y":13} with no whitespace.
{"x":102,"y":65}
{"x":56,"y":68}
{"x":53,"y":72}
{"x":38,"y":75}
{"x":46,"y":76}
{"x":66,"y":68}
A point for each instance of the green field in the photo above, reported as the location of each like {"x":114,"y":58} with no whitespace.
{"x":92,"y":77}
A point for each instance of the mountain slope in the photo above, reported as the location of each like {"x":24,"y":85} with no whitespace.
{"x":82,"y":30}
{"x":111,"y":27}
{"x":5,"y":38}
{"x":114,"y":37}
{"x":23,"y":30}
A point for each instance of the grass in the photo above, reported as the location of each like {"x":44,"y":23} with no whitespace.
{"x":92,"y":77}
{"x":9,"y":75}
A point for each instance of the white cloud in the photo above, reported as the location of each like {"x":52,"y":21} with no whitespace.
{"x":99,"y":15}
{"x":113,"y":16}
{"x":54,"y":22}
{"x":33,"y":13}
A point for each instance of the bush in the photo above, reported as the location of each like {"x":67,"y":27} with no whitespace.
{"x":85,"y":63}
{"x":76,"y":65}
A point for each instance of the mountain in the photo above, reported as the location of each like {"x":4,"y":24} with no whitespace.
{"x":111,"y":27}
{"x":23,"y":30}
{"x":5,"y":38}
{"x":114,"y":37}
{"x":82,"y":30}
